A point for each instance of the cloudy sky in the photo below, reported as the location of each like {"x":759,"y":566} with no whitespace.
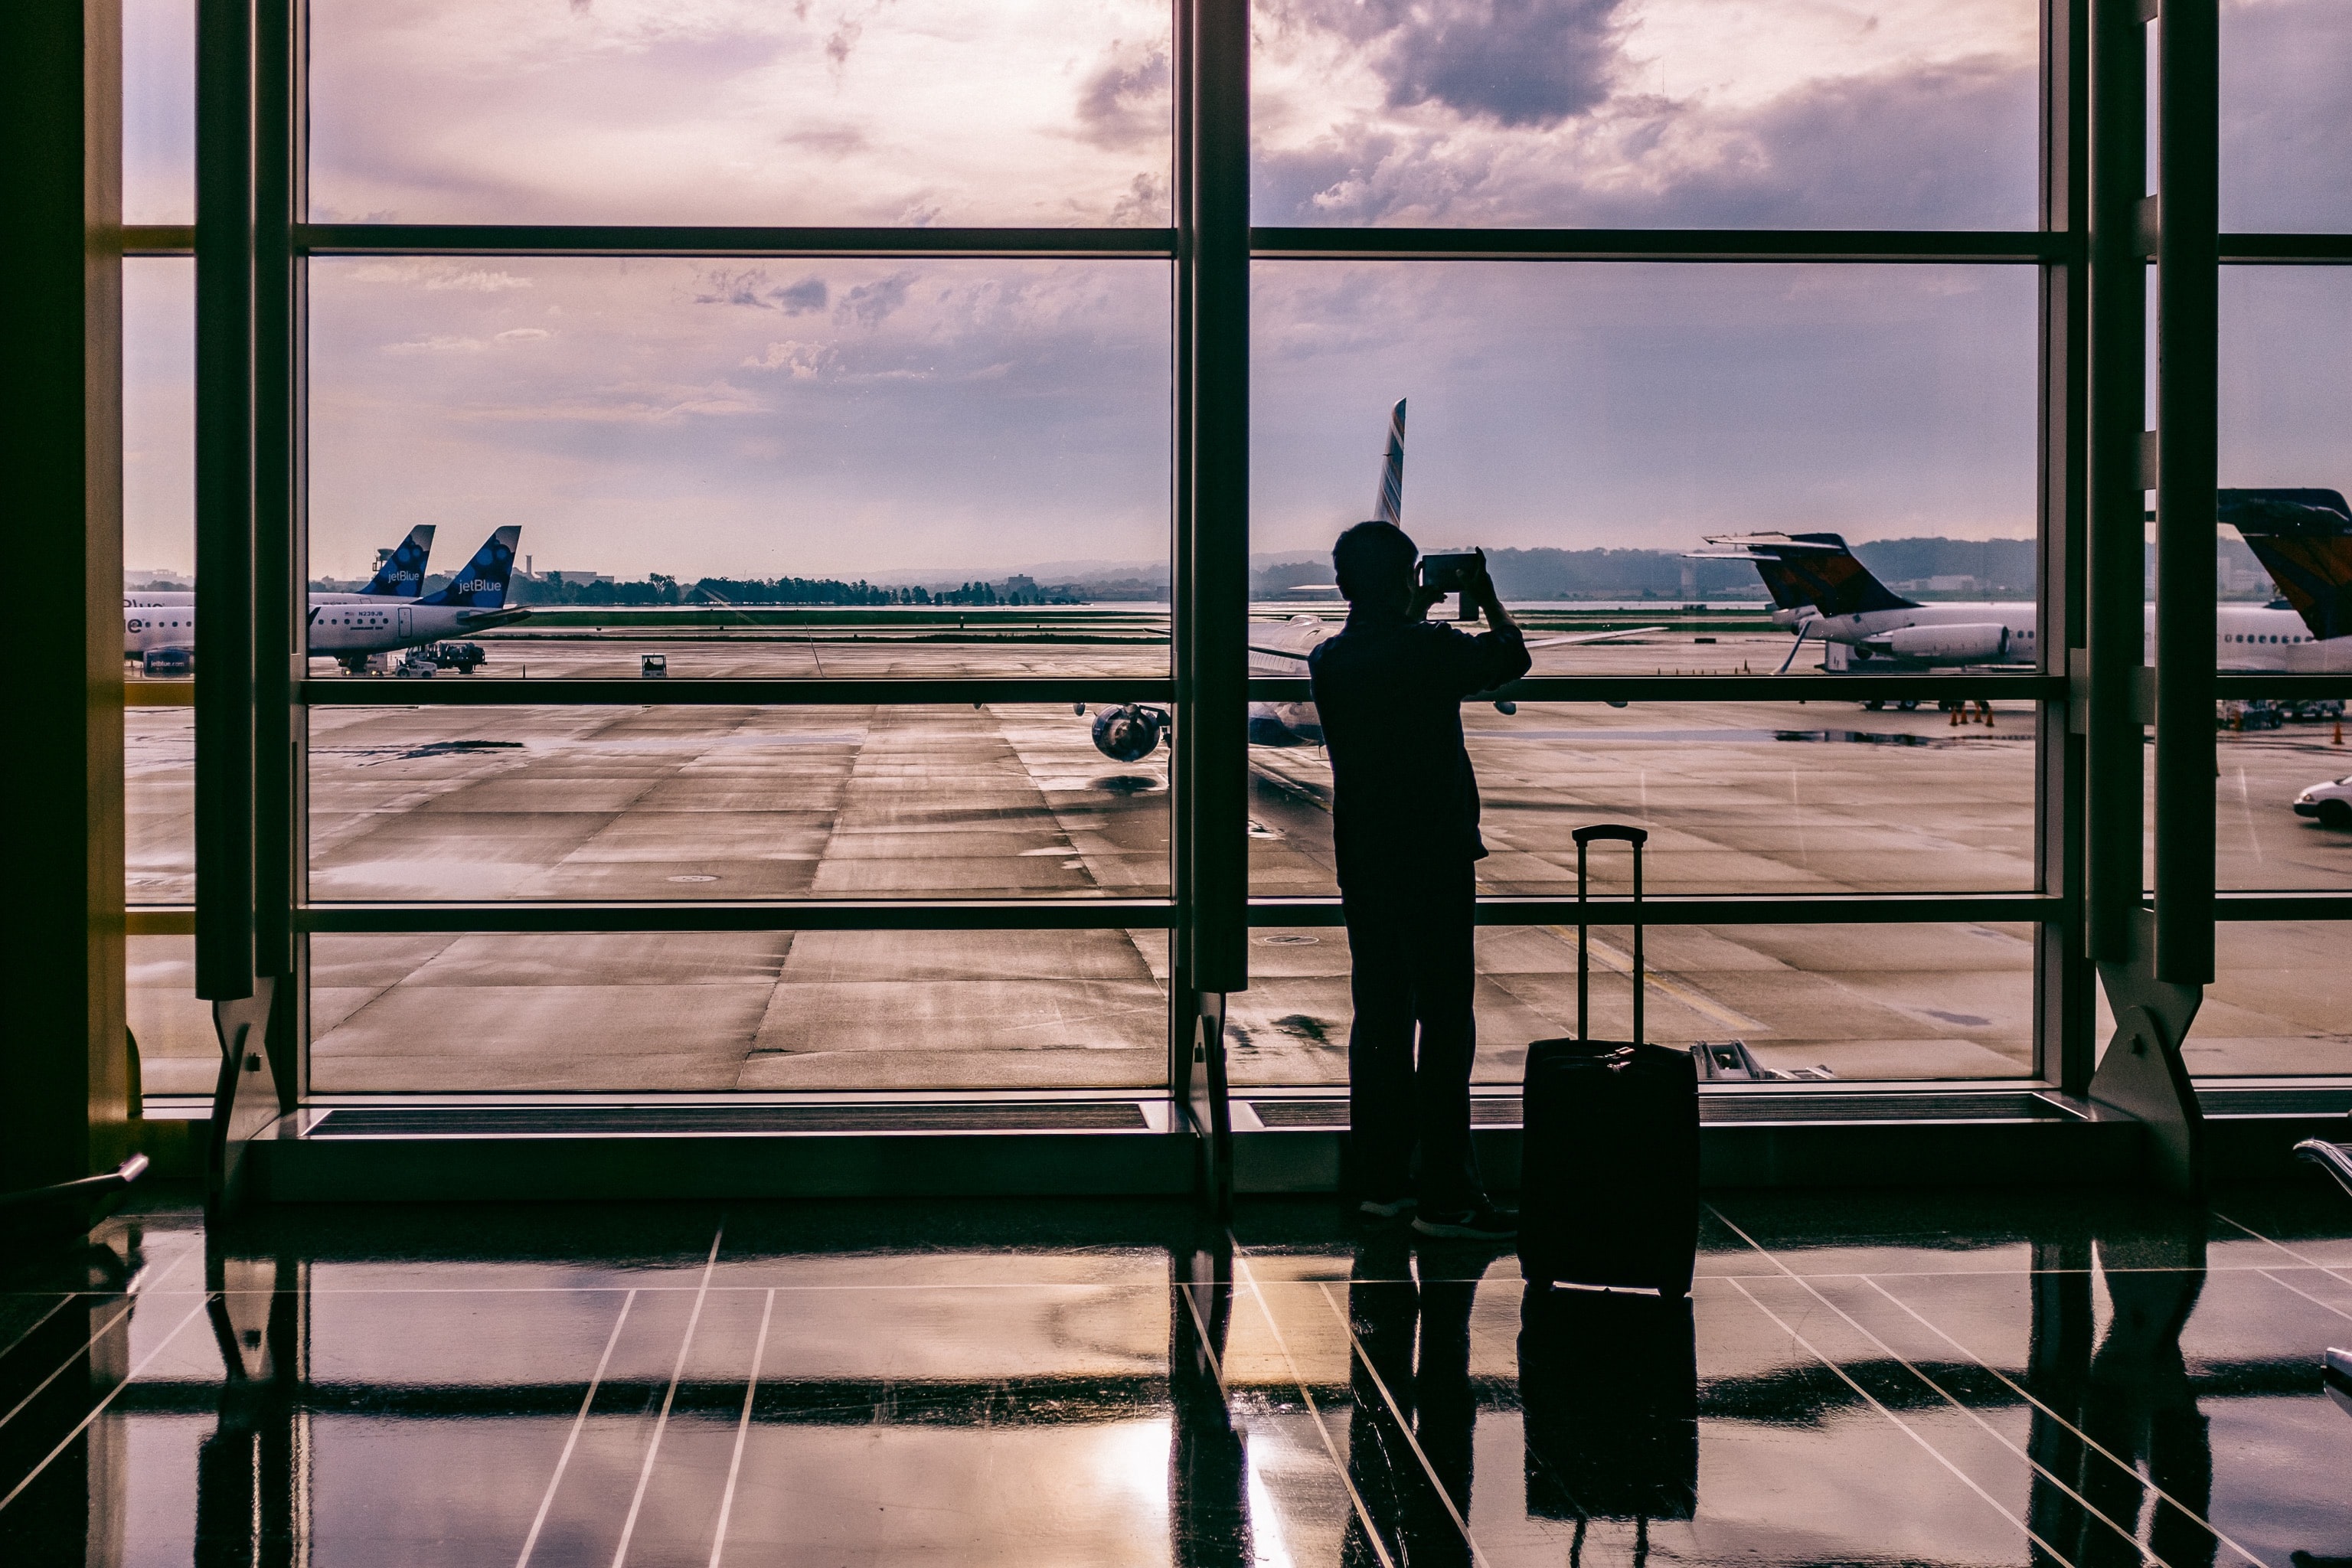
{"x":848,"y":417}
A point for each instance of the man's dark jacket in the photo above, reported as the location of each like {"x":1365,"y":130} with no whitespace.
{"x":1389,"y":692}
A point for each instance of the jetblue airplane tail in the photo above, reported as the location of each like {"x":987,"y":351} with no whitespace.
{"x":2304,"y":540}
{"x":402,"y":576}
{"x":482,"y":585}
{"x":1390,"y":505}
{"x":1808,"y":569}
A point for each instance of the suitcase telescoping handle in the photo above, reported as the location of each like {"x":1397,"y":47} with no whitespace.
{"x":1636,"y":837}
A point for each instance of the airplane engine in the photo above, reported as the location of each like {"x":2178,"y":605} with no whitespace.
{"x":1130,"y":733}
{"x":1950,"y":645}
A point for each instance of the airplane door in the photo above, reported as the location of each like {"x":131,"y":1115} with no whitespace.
{"x":407,"y":622}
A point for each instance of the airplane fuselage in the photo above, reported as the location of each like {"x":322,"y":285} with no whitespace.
{"x":1279,"y":652}
{"x":2247,"y":636}
{"x":341,"y":625}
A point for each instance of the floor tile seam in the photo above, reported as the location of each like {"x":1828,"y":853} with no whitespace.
{"x":1923,"y":1378}
{"x":669,"y":1399}
{"x":571,"y":1440}
{"x":1298,"y":1380}
{"x":1906,"y":1429}
{"x":63,"y":1367}
{"x":1404,"y":1428}
{"x":2283,"y":1246}
{"x":1974,"y":1415}
{"x":2089,"y":1442}
{"x":716,"y":1289}
{"x":743,"y":1432}
{"x":33,"y":1327}
{"x":1208,"y":1345}
{"x":2325,"y":1306}
{"x":131,"y":1299}
{"x":111,"y":1394}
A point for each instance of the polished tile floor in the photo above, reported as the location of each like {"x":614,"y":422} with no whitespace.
{"x":2073,"y":1378}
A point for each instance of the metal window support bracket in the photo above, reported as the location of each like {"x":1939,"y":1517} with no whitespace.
{"x":1207,"y":1109}
{"x":2143,"y":1074}
{"x":254,"y":1040}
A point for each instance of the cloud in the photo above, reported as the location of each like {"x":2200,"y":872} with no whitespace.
{"x":871,"y":304}
{"x":1124,"y":101}
{"x":803,"y":298}
{"x":440,"y":343}
{"x":628,"y":405}
{"x":754,"y":288}
{"x":522,"y":334}
{"x":805,"y":362}
{"x":439,"y":276}
{"x":1514,"y":62}
{"x":1950,"y":144}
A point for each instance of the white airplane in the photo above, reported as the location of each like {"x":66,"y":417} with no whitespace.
{"x":167,"y":619}
{"x":1278,"y":649}
{"x":2303,"y":537}
{"x":352,"y":626}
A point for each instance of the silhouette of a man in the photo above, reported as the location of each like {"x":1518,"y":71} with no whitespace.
{"x":1389,"y":690}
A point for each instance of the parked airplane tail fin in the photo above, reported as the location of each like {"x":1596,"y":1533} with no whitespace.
{"x":1389,"y":506}
{"x":2304,"y":540}
{"x":482,"y":585}
{"x":1801,"y":570}
{"x":402,"y":575}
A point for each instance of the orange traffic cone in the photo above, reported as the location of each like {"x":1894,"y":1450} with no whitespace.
{"x":1956,"y":718}
{"x":1987,"y":713}
{"x":2339,"y":733}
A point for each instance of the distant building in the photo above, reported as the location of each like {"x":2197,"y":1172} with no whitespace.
{"x":577,"y":579}
{"x":142,"y":576}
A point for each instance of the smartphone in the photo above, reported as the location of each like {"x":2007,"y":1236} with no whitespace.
{"x":1451,"y":575}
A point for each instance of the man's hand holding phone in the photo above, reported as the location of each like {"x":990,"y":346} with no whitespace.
{"x":1464,"y":574}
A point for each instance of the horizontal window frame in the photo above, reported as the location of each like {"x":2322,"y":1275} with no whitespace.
{"x":624,"y":691}
{"x":1152,"y":914}
{"x":627,"y":691}
{"x":1148,"y":914}
{"x":1829,"y":247}
{"x":1067,"y":913}
{"x":1992,"y":247}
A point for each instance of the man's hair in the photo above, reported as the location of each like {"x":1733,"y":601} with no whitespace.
{"x":1373,"y":556}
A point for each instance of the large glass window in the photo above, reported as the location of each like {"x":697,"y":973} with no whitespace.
{"x":1624,"y":114}
{"x":2286,"y":114}
{"x":713,"y":435}
{"x":1813,"y":1003}
{"x":924,"y":455}
{"x":717,"y":1012}
{"x":664,"y":803}
{"x":928,"y":112}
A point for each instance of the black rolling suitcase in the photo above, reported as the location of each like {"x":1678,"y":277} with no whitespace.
{"x":1609,"y":1167}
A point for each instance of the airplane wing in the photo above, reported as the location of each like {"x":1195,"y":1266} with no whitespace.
{"x":1279,"y":652}
{"x":1594,"y":636}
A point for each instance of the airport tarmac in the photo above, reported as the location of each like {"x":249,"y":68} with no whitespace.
{"x":415,"y":803}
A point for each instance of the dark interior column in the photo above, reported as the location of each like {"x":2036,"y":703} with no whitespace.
{"x":62,"y":1097}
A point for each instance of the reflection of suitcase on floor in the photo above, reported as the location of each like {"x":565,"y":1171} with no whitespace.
{"x":1609,"y":1162}
{"x":1609,"y":1388}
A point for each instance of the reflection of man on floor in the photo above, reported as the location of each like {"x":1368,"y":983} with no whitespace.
{"x":1404,"y":818}
{"x":1429,"y":1405}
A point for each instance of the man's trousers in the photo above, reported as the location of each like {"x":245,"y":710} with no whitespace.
{"x":1409,"y":942}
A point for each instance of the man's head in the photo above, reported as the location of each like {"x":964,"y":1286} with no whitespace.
{"x":1374,"y":562}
